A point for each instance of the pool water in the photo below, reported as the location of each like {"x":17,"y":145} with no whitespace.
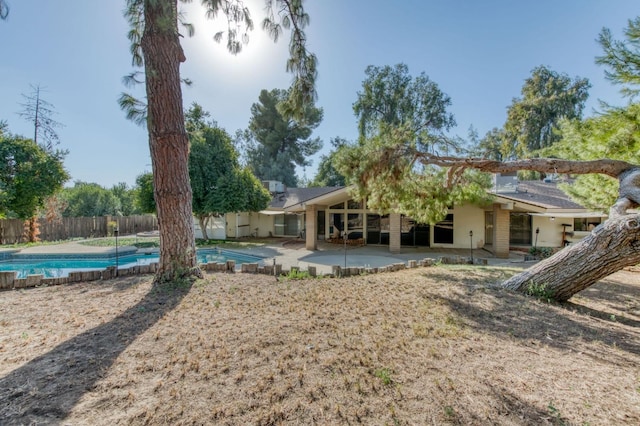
{"x":52,"y":267}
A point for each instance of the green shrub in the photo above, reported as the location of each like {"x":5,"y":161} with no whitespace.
{"x":296,"y":274}
{"x":541,"y":252}
{"x":540,"y":291}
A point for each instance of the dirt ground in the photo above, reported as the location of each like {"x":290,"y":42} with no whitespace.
{"x":436,"y":345}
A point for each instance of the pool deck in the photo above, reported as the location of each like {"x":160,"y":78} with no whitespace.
{"x":292,"y":252}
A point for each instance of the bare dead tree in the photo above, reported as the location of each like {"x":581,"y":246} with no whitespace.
{"x":40,"y":112}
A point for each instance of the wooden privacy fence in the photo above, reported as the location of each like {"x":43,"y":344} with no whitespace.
{"x":12,"y":230}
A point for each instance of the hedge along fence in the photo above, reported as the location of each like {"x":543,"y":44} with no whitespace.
{"x":12,"y":230}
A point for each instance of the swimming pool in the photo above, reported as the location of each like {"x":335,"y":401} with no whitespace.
{"x":54,"y":267}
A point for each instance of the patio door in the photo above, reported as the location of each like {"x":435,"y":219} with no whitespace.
{"x":488,"y":228}
{"x":320,"y":225}
{"x":373,"y":229}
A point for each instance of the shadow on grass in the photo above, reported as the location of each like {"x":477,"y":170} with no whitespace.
{"x":563,"y":326}
{"x":511,"y":409}
{"x":614,"y":294}
{"x":44,"y":390}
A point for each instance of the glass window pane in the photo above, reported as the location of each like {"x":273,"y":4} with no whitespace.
{"x":443,"y":231}
{"x":354,"y":205}
{"x":520,"y":229}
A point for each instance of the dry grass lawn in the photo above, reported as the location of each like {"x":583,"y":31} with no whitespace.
{"x":424,"y":346}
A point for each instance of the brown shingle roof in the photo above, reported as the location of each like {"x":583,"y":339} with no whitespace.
{"x":543,"y":194}
{"x":293,"y":196}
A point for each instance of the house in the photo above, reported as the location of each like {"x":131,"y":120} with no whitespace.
{"x":523,"y":214}
{"x":275,"y":220}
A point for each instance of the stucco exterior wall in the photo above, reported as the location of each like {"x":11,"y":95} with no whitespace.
{"x":215,"y":229}
{"x":247,"y":223}
{"x":466,"y":218}
{"x":263,"y":222}
{"x":550,"y":234}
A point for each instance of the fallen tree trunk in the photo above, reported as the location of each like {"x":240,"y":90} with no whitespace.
{"x":610,"y":247}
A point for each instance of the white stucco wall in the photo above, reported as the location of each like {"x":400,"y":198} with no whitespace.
{"x":251,"y":221}
{"x":263,"y":223}
{"x":238,"y":225}
{"x":215,"y":229}
{"x":550,"y":234}
{"x":466,"y":218}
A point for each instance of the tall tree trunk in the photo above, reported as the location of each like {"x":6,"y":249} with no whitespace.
{"x":168,"y":140}
{"x":610,"y":247}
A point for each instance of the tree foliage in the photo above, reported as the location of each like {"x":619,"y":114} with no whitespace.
{"x":402,"y":115}
{"x":385,"y":171}
{"x":126,"y":196}
{"x":86,"y":199}
{"x":390,"y":96}
{"x":145,"y":201}
{"x":533,"y":120}
{"x":622,"y":58}
{"x":277,"y":144}
{"x":327,"y":174}
{"x":218,"y":182}
{"x":614,"y":134}
{"x":491,"y":145}
{"x":197,"y":119}
{"x":28,"y":175}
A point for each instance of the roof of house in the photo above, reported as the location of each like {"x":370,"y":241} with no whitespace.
{"x":545,"y":195}
{"x":542,"y":194}
{"x":293,"y":196}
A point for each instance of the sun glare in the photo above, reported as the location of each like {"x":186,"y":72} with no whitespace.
{"x":259,"y":54}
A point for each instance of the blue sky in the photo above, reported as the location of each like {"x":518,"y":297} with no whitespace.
{"x":478,"y":52}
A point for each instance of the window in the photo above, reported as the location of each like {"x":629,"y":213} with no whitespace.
{"x":339,"y":206}
{"x":354,"y":226}
{"x":407,"y":228}
{"x":585,"y":223}
{"x":336,"y":225}
{"x":443,"y":231}
{"x":286,"y":224}
{"x":520,"y":229}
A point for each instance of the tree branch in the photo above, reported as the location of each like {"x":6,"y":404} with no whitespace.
{"x":613,"y":168}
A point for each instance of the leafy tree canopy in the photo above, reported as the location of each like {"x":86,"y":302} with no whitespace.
{"x":491,"y":145}
{"x":218,"y":182}
{"x":197,"y":119}
{"x":391,"y":96}
{"x":144,"y":198}
{"x":533,"y":120}
{"x":90,"y":199}
{"x":277,"y":144}
{"x":399,"y":115}
{"x":28,"y":175}
{"x":383,"y":170}
{"x":127,"y":197}
{"x":327,"y":174}
{"x":614,"y":135}
{"x":622,"y":58}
